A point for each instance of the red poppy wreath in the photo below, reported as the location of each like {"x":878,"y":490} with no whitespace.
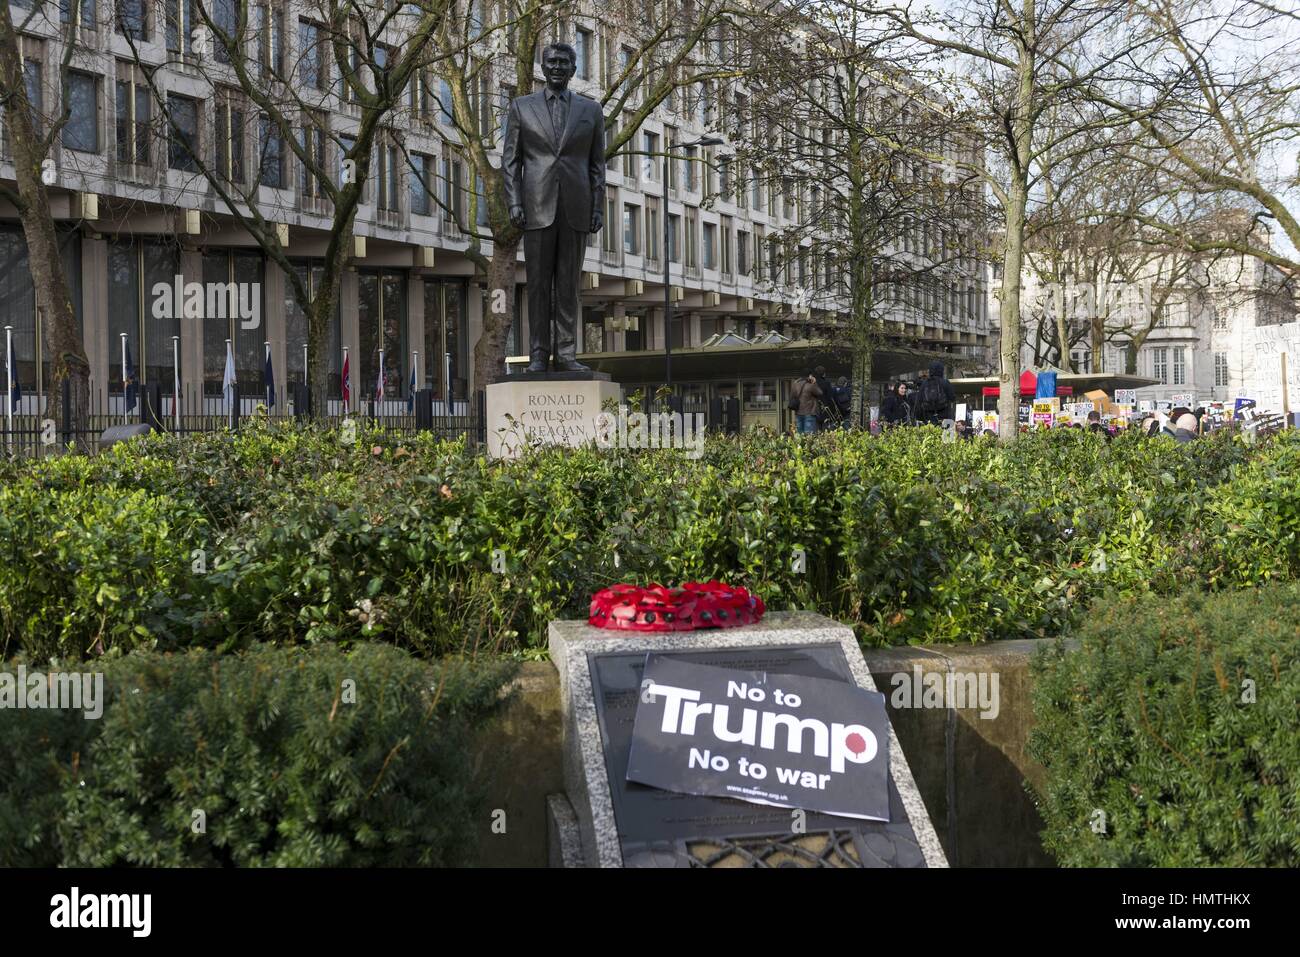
{"x":690,"y":606}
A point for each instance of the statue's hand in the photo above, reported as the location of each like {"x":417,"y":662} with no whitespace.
{"x":597,"y":220}
{"x":517,"y":216}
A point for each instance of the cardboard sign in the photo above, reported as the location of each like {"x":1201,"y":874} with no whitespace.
{"x":1126,"y":396}
{"x":764,"y":738}
{"x":1184,"y":399}
{"x":1147,"y":405}
{"x":1047,"y":406}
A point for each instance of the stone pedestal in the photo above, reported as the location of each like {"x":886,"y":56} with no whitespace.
{"x":601,"y":823}
{"x":544,"y":410}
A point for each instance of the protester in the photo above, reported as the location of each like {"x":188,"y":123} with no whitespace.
{"x":1185,"y":427}
{"x":826,"y":412}
{"x":897,"y":407}
{"x":936,"y":398}
{"x":842,"y":396}
{"x":806,"y":393}
{"x":1095,"y":426}
{"x":1150,"y":426}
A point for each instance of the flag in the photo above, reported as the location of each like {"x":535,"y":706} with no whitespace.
{"x":379,"y":386}
{"x":228,"y":380}
{"x":130,"y":380}
{"x":347,"y":382}
{"x":269,"y":375}
{"x":15,"y":391}
{"x":410,"y":393}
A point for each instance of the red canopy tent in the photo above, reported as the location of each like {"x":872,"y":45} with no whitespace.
{"x":1028,"y":385}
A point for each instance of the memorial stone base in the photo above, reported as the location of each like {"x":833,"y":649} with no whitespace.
{"x":527,"y":410}
{"x":602,"y":820}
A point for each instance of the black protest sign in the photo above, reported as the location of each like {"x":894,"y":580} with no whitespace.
{"x":760,"y":737}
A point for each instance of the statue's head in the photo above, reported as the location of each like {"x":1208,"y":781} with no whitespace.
{"x":559,"y":63}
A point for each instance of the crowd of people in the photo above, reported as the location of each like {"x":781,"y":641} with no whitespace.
{"x":820,"y":404}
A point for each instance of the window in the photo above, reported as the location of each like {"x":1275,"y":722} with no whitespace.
{"x":270,"y":39}
{"x":346,"y":144}
{"x":182,"y":18}
{"x":1160,"y":365}
{"x":652,"y":229}
{"x":241,"y":274}
{"x":311,"y":137}
{"x":690,"y":168}
{"x":787,"y":196}
{"x":480,"y":202}
{"x":504,"y":96}
{"x":582,"y":45}
{"x":312,"y":55}
{"x":624,"y":66}
{"x":1220,"y":368}
{"x":631,"y":229}
{"x":710,"y":245}
{"x":756,"y":194}
{"x":81,"y":132}
{"x":1180,"y":367}
{"x":347,"y":93}
{"x":133,"y":108}
{"x":132,"y":19}
{"x":134,"y":266}
{"x":692,"y":238}
{"x":444,"y":103}
{"x":726,"y":245}
{"x":381,"y":321}
{"x":674,"y":238}
{"x":651,"y":160}
{"x":183,"y":132}
{"x":742,"y":252}
{"x":229,"y":134}
{"x":390,"y":176}
{"x":87,"y":12}
{"x":270,"y":147}
{"x":225,"y":17}
{"x":422,"y":172}
{"x":1220,"y":321}
{"x":670,"y":137}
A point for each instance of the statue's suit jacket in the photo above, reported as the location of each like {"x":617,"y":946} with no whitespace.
{"x":542,"y":174}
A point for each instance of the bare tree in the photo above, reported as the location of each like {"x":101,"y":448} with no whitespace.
{"x":1027,"y":72}
{"x":364,"y":57}
{"x":32,"y":135}
{"x":1217,"y":104}
{"x":836,"y":127}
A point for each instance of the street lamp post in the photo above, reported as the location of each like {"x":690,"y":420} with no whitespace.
{"x":668,"y":276}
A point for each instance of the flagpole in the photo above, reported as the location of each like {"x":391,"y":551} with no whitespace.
{"x":124,"y":386}
{"x":9,"y":376}
{"x":446,"y":393}
{"x":176,"y":380}
{"x":415,"y":367}
{"x":345,"y":384}
{"x":270,"y":399}
{"x":233,"y":395}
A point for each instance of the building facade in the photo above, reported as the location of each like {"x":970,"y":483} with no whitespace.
{"x":1196,"y":336}
{"x":139,"y":224}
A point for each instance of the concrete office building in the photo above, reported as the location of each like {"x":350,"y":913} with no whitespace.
{"x":134,"y":215}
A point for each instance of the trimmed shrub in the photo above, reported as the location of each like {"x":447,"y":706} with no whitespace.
{"x":302,"y":757}
{"x":427,"y":545}
{"x":1171,"y":737}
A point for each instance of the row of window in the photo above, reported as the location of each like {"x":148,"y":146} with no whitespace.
{"x":134,"y":267}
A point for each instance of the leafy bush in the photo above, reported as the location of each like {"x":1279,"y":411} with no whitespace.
{"x":1169,"y":738}
{"x":296,"y":757}
{"x":427,"y":545}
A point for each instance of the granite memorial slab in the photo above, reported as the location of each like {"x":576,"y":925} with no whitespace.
{"x":621,"y":823}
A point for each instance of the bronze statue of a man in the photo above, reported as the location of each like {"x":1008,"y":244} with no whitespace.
{"x":554,"y":165}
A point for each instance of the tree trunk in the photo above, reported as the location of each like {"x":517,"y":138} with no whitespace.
{"x":499,"y":316}
{"x":62,"y":338}
{"x":1021,"y":129}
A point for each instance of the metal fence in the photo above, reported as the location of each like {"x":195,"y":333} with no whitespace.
{"x":32,"y":431}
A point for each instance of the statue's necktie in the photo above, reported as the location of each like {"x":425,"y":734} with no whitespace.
{"x":557,"y":117}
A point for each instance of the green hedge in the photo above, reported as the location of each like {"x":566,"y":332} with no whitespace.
{"x":302,"y":536}
{"x":290,"y":763}
{"x":1171,"y":737}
